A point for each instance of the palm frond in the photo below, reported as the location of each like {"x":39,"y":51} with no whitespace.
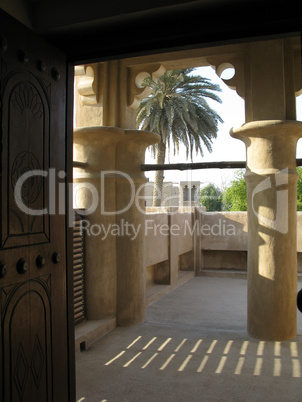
{"x":178,"y":110}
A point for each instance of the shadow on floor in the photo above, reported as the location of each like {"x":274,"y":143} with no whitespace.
{"x":192,"y":347}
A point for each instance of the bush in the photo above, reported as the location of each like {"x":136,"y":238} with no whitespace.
{"x":210,"y":197}
{"x":235,"y":196}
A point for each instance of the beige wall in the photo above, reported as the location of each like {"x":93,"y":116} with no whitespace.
{"x":157,"y":241}
{"x":169,"y":244}
{"x":173,"y":194}
{"x":228,"y":231}
{"x":170,"y":194}
{"x":221,"y":239}
{"x":184,"y":240}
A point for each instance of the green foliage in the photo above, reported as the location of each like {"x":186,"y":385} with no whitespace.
{"x":211,"y":198}
{"x":299,"y":189}
{"x":235,"y":196}
{"x":177,"y":110}
{"x":235,"y":199}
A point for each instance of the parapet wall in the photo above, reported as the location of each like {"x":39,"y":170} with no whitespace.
{"x":169,"y":250}
{"x":190,"y":239}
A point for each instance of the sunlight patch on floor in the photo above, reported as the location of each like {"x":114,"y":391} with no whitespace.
{"x":248,"y":357}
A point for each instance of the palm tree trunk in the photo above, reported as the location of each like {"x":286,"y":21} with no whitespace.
{"x":159,"y":175}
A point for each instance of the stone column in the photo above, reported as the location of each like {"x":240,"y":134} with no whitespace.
{"x":97,"y":147}
{"x":131,"y":267}
{"x":271,"y":178}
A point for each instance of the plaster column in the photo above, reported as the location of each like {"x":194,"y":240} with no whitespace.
{"x":271,"y":178}
{"x":97,"y":147}
{"x":131,"y":268}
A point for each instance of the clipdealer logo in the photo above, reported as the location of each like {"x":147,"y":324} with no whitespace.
{"x":278,"y":183}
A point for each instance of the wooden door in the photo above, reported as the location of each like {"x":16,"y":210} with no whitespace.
{"x":34,"y":352}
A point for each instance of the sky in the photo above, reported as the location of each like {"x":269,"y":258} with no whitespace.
{"x":225,"y":148}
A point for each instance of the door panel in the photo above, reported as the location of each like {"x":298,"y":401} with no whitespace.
{"x":34,"y":361}
{"x":25,"y":108}
{"x":31,"y":377}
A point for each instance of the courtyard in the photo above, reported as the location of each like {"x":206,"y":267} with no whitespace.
{"x":193,"y":346}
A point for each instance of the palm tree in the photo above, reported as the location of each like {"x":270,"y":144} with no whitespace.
{"x":177,"y":110}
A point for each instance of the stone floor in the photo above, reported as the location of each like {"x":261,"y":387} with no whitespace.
{"x":193,"y":346}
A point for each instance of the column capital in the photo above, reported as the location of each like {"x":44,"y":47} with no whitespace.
{"x":112,"y":148}
{"x":96,"y":147}
{"x":270,"y":144}
{"x":130,"y":152}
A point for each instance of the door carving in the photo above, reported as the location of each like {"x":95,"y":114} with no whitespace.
{"x":34,"y":350}
{"x":31,"y":376}
{"x":26,"y":105}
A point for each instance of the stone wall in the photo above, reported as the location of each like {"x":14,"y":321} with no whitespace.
{"x":219,"y":240}
{"x":170,"y":194}
{"x":223,"y":241}
{"x":169,"y":251}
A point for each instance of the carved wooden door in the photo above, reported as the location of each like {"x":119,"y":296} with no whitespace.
{"x":33,"y":302}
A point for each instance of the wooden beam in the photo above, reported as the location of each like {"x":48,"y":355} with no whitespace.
{"x":200,"y":165}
